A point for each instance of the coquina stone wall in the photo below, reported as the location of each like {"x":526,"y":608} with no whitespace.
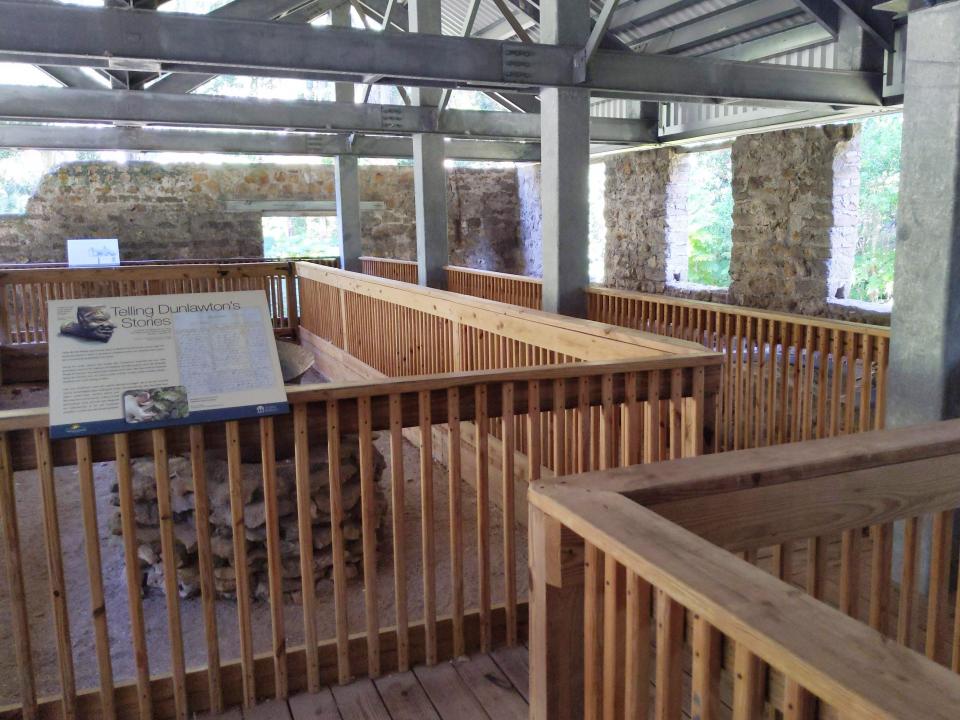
{"x":179,"y":211}
{"x":796,"y":201}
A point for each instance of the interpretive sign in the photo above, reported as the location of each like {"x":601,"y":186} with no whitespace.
{"x":134,"y":363}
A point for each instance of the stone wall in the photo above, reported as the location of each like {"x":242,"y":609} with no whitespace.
{"x":796,"y":199}
{"x":784,"y":221}
{"x":178,"y":211}
{"x":635,"y":208}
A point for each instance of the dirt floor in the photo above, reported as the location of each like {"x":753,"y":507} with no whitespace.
{"x":29,"y":513}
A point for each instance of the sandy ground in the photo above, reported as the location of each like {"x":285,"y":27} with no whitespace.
{"x":42,"y":627}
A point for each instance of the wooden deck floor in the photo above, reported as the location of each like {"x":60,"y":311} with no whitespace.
{"x":481,"y":687}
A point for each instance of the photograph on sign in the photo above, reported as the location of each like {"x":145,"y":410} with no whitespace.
{"x":87,"y":252}
{"x":119,"y":364}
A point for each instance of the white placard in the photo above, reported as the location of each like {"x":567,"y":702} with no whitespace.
{"x":128,"y":363}
{"x":87,"y":252}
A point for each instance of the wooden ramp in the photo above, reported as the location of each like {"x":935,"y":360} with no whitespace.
{"x":481,"y":687}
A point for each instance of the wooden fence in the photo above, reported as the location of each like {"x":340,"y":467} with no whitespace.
{"x":24,"y":292}
{"x":787,"y":378}
{"x":403,"y":270}
{"x":514,"y":289}
{"x":390,"y":636}
{"x":647,"y":553}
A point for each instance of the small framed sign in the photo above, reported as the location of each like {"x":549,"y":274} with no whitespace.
{"x":87,"y":252}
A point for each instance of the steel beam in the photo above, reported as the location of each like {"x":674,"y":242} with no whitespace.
{"x":347,"y":187}
{"x":44,"y":34}
{"x":86,"y":137}
{"x":129,"y":107}
{"x":565,"y":170}
{"x":825,"y":13}
{"x":782,"y":42}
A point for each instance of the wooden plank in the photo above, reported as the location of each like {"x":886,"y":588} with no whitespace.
{"x":449,"y":694}
{"x":13,"y":565}
{"x":404,"y":698}
{"x":368,"y":502}
{"x":494,"y":691}
{"x":268,"y":458}
{"x":509,"y":515}
{"x":305,"y":544}
{"x":705,"y":698}
{"x":132,"y":574}
{"x":514,"y":663}
{"x":637,"y":639}
{"x":275,"y":709}
{"x":669,"y":667}
{"x":234,"y":482}
{"x":171,"y":588}
{"x":359,"y":700}
{"x":398,"y":516}
{"x":593,"y":570}
{"x":428,"y":525}
{"x":314,"y":706}
{"x":55,"y":574}
{"x":483,"y":516}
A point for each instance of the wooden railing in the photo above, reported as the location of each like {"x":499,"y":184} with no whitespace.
{"x":787,"y":378}
{"x":514,"y":289}
{"x":24,"y":292}
{"x":391,"y":633}
{"x":645,"y":553}
{"x":403,"y":270}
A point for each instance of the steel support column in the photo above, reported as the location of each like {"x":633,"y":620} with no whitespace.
{"x":924,"y":381}
{"x":565,"y":153}
{"x":430,"y":177}
{"x":347,"y":177}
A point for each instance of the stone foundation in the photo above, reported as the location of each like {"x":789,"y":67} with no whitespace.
{"x":218,"y":492}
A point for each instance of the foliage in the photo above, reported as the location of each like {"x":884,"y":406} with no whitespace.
{"x":710,"y":204}
{"x":300,"y":236}
{"x":879,"y":193}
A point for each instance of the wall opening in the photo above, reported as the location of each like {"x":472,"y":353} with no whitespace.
{"x":700,"y":234}
{"x":879,"y":174}
{"x":300,"y":236}
{"x":598,"y":225}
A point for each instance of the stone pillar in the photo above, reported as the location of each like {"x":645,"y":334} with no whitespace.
{"x":565,"y":169}
{"x":430,"y":179}
{"x":642,"y":215}
{"x":347,"y":178}
{"x":924,"y":379}
{"x":795,"y":195}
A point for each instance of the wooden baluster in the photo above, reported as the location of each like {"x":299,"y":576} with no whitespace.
{"x":850,"y":557}
{"x":483,"y":516}
{"x":169,"y":560}
{"x":456,"y":519}
{"x":761,"y":392}
{"x":798,"y":703}
{"x":705,"y":698}
{"x":736,"y":358}
{"x":593,"y":565}
{"x":608,"y":434}
{"x":268,"y":457}
{"x":614,"y":649}
{"x":939,"y":582}
{"x":796,"y":378}
{"x":773,"y":362}
{"x":534,"y":430}
{"x":851,"y":382}
{"x":398,"y":515}
{"x":131,"y":563}
{"x":651,"y":422}
{"x":368,"y":506}
{"x":509,"y":515}
{"x":301,"y":449}
{"x":866,"y":383}
{"x":880,"y":569}
{"x":669,"y":671}
{"x":748,"y":691}
{"x":208,"y":597}
{"x":784,"y":381}
{"x":806,"y":410}
{"x":339,"y":549}
{"x":749,"y":401}
{"x":675,"y":422}
{"x":637,"y":641}
{"x":822,"y":384}
{"x":880,"y":411}
{"x":633,"y":432}
{"x":908,"y":582}
{"x":235,"y":483}
{"x":559,"y":427}
{"x":58,"y":589}
{"x":583,"y":416}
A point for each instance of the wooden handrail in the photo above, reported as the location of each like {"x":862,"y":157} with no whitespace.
{"x":836,"y":658}
{"x":875,"y":330}
{"x":403,"y":270}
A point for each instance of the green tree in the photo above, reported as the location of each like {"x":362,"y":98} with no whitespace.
{"x":879,"y":193}
{"x":710,"y":204}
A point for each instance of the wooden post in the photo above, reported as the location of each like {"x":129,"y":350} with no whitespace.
{"x":556,"y":620}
